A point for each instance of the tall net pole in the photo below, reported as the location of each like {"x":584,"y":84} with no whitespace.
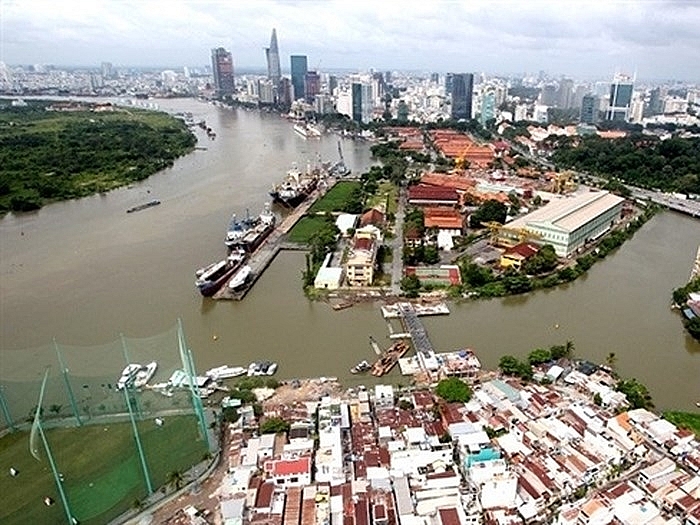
{"x":130,"y":382}
{"x":69,"y":388}
{"x":188,"y":366}
{"x":37,"y":430}
{"x":6,"y":410}
{"x":137,"y":438}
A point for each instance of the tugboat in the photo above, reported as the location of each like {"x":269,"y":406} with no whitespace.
{"x":210,"y":278}
{"x":362,"y":366}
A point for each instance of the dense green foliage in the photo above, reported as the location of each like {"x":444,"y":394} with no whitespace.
{"x":637,"y":394}
{"x":669,"y":165}
{"x":545,"y":260}
{"x":454,"y":390}
{"x":512,"y":366}
{"x":274,"y":425}
{"x":680,"y":296}
{"x":410,"y":286}
{"x":48,"y":155}
{"x":490,"y":210}
{"x":686,"y":420}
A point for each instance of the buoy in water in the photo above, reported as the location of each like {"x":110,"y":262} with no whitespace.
{"x":215,"y":337}
{"x":556,"y":326}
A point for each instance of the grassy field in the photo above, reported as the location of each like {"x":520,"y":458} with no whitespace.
{"x":386,"y":194}
{"x":101,"y":469}
{"x":305,"y":228}
{"x":686,"y":420}
{"x":335,"y":198}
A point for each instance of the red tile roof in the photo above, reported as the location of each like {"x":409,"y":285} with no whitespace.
{"x":523,"y":249}
{"x":288,"y":467}
{"x":423,"y":192}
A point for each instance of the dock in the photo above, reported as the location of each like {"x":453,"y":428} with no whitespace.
{"x":261,"y":258}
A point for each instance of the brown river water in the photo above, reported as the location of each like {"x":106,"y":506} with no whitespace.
{"x":85,"y":271}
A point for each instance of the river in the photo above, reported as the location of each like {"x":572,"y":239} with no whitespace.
{"x":84,"y":271}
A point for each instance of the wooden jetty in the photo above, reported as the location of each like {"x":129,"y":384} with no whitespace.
{"x":261,"y":258}
{"x":389,"y":358}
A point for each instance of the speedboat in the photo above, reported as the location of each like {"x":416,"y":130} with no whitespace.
{"x":240,"y":277}
{"x":362,"y":366}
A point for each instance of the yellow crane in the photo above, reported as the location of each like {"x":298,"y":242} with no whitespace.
{"x":507,"y":237}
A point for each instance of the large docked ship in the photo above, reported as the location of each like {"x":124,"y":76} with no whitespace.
{"x":211,"y":278}
{"x":247,"y":234}
{"x":296,"y":186}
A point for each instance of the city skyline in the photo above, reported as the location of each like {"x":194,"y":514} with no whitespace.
{"x":656,"y":38}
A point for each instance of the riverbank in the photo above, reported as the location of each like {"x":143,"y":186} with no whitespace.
{"x":53,"y":151}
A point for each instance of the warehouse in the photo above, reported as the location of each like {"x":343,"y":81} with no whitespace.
{"x":569,"y":223}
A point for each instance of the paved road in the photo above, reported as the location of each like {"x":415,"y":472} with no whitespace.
{"x":397,"y":245}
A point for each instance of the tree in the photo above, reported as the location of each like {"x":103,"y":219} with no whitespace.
{"x":410,"y":285}
{"x":175,"y":479}
{"x":636,"y":393}
{"x":405,"y":404}
{"x":545,"y":260}
{"x":539,"y":356}
{"x":611,"y":360}
{"x":489,"y":211}
{"x":274,"y":425}
{"x":569,"y":349}
{"x":453,"y":390}
{"x":509,"y":365}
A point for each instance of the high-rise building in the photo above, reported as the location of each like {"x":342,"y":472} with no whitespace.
{"x":222,"y":67}
{"x":434,"y":78}
{"x":620,"y":99}
{"x":312,"y":85}
{"x":332,"y":83}
{"x":565,"y":93}
{"x":357,"y":102}
{"x":589,"y":109}
{"x":656,"y":105}
{"x":299,"y":69}
{"x":285,"y":92}
{"x":488,"y":108}
{"x":449,"y":78}
{"x":462,"y":88}
{"x":107,"y":72}
{"x":548,"y":96}
{"x":272,"y":53}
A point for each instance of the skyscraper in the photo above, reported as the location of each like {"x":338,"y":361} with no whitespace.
{"x":488,"y":108}
{"x":620,"y":98}
{"x":222,"y":66}
{"x":272,"y":53}
{"x":312,"y":85}
{"x":462,"y":88}
{"x":565,"y":94}
{"x":299,"y":70}
{"x":357,"y":102}
{"x":589,"y":109}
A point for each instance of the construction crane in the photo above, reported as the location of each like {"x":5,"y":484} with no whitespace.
{"x":461,"y":162}
{"x":507,"y":237}
{"x":562,"y":182}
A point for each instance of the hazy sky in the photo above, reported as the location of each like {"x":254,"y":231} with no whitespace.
{"x":658,"y":38}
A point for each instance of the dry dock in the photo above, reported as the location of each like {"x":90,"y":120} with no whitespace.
{"x":261,"y":258}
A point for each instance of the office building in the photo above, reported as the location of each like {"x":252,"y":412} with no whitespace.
{"x":312,"y":85}
{"x":565,"y":94}
{"x":107,"y":71}
{"x":222,"y":67}
{"x":449,"y":78}
{"x":274,"y":71}
{"x":488,"y":108}
{"x":299,"y":69}
{"x":620,"y":99}
{"x":589,"y":109}
{"x":462,"y":88}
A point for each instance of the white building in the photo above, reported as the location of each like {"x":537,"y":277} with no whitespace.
{"x":571,"y":222}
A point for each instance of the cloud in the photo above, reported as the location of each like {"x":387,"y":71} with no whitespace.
{"x":587,"y":38}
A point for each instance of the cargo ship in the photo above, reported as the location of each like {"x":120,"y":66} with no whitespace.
{"x":295,"y":187}
{"x":211,"y":278}
{"x":250,"y":233}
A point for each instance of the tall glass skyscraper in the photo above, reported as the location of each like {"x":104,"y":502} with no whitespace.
{"x":222,"y":66}
{"x":620,"y":99}
{"x":462,"y":89}
{"x":272,"y":53}
{"x":299,"y":69}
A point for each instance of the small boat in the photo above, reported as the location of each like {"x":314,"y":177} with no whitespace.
{"x":140,"y":207}
{"x":136,"y":375}
{"x":262,"y":368}
{"x":240,"y":277}
{"x":362,"y":366}
{"x":225,"y":372}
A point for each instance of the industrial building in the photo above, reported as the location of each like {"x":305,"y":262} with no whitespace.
{"x":569,"y":223}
